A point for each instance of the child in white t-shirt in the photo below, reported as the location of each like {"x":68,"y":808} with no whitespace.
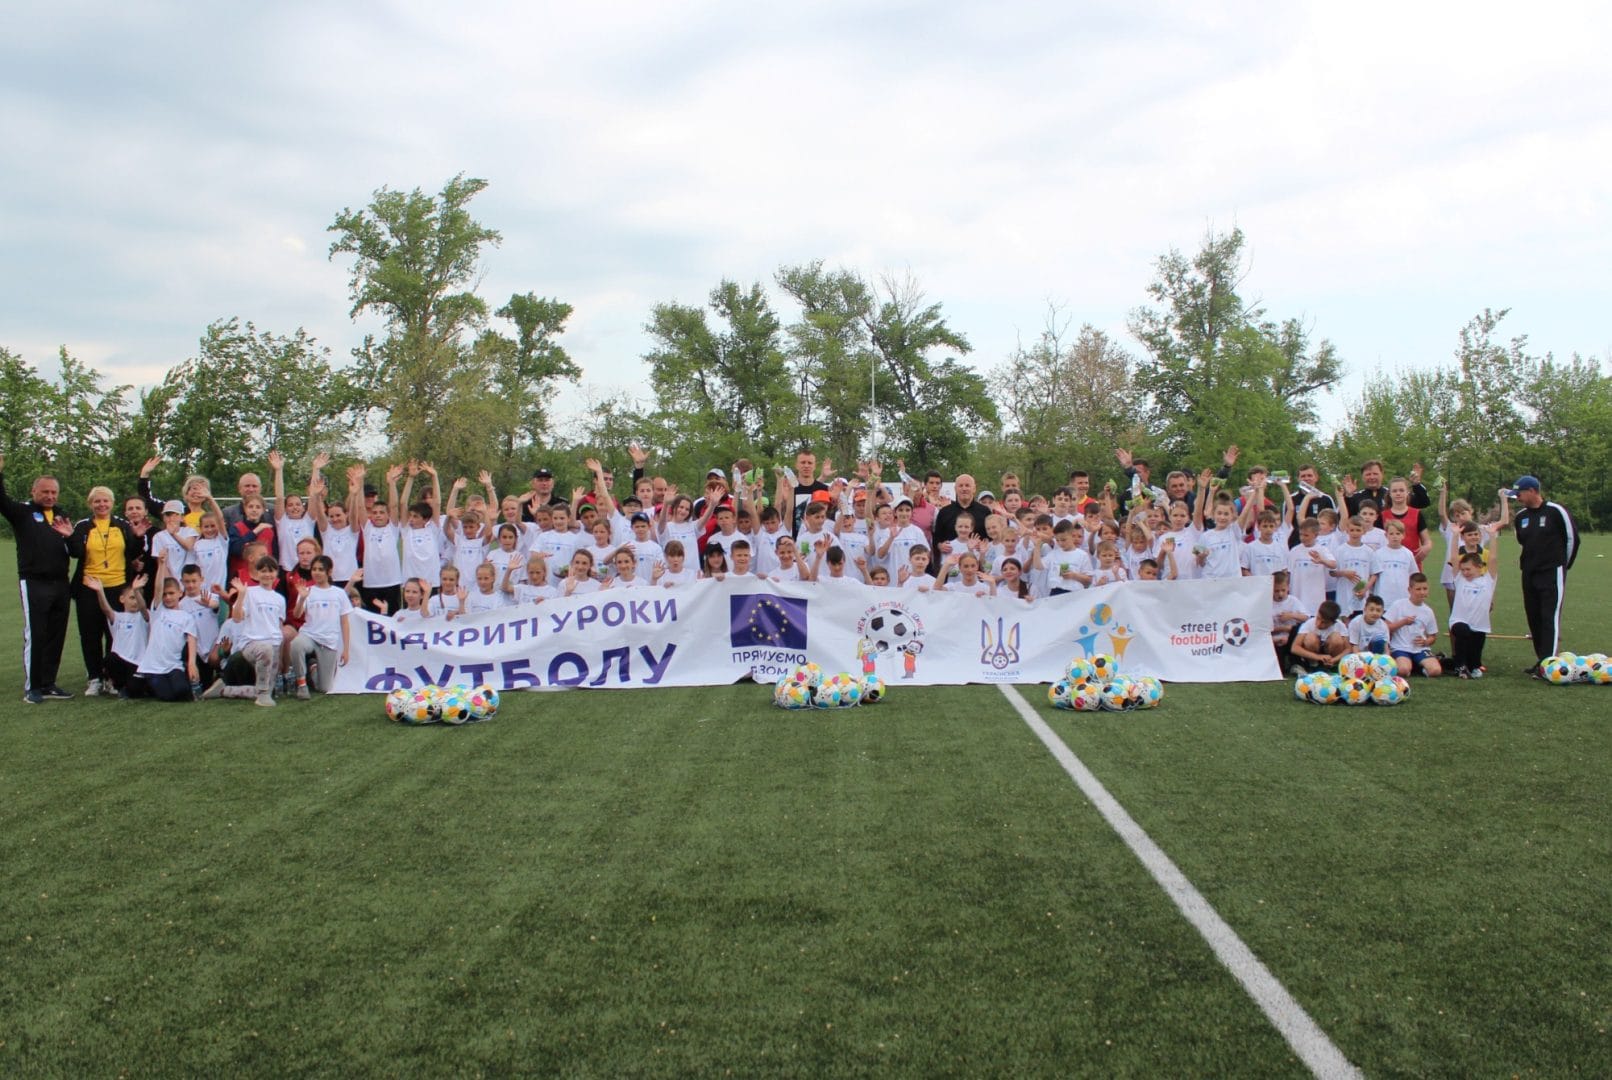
{"x":1288,"y":613}
{"x":1367,"y":630}
{"x":1355,"y":571}
{"x":674,"y":571}
{"x":1309,"y":566}
{"x":536,"y":588}
{"x":1413,"y":630}
{"x":486,"y":596}
{"x":1469,"y":612}
{"x":1393,"y":565}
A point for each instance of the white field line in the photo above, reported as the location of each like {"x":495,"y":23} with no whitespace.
{"x":1302,"y":1033}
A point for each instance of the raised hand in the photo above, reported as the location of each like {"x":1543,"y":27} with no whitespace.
{"x":459,"y":484}
{"x":355,"y":475}
{"x":320,"y":460}
{"x":276,"y":460}
{"x":638,"y":454}
{"x":149,"y":467}
{"x":62,"y":526}
{"x":1230,"y":456}
{"x":1123,"y":456}
{"x":394,"y":474}
{"x":484,"y":478}
{"x":1347,"y":483}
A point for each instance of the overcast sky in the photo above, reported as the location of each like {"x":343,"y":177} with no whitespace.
{"x":1396,"y":167}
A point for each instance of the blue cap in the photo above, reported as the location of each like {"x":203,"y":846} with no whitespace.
{"x":1527,"y":483}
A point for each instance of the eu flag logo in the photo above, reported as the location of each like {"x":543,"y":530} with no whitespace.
{"x":767,"y":620}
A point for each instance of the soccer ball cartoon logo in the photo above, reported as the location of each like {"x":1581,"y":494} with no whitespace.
{"x":890,"y":629}
{"x":1236,"y":632}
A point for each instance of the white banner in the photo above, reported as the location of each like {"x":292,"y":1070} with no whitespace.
{"x":716,"y":632}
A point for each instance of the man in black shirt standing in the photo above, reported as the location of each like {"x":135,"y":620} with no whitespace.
{"x":1549,"y":543}
{"x":42,"y":567}
{"x":1371,"y":479}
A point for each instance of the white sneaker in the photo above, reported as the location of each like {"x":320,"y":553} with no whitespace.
{"x":93,"y":689}
{"x":266,"y":701}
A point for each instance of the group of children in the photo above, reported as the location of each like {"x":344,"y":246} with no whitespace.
{"x":251,"y":606}
{"x":1372,"y":592}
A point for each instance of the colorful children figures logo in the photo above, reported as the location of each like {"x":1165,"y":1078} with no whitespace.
{"x":1100,"y":622}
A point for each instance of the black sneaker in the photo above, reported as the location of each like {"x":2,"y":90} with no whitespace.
{"x":33,"y":697}
{"x":1534,"y":673}
{"x":56,"y":693}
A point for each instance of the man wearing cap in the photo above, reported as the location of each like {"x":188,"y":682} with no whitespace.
{"x":541,"y":494}
{"x":1549,"y":544}
{"x":42,"y":572}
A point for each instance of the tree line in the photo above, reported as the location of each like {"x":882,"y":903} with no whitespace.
{"x":851,"y":365}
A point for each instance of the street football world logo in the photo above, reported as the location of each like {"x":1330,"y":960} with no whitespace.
{"x":767,"y":633}
{"x":1212,"y":638}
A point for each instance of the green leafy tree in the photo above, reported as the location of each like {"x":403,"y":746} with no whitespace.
{"x":1216,"y":371}
{"x":723,"y":390}
{"x":245,"y":392}
{"x":1064,"y":400}
{"x":931,"y":406}
{"x":72,"y":426}
{"x":451,"y":389}
{"x":834,"y":364}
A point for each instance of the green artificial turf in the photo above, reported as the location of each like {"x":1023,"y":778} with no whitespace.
{"x":676,"y":881}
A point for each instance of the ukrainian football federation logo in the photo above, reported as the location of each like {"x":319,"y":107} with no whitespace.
{"x":999,"y":645}
{"x":764,"y":620}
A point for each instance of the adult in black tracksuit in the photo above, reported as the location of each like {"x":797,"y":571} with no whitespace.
{"x":1549,"y":542}
{"x":42,"y":579}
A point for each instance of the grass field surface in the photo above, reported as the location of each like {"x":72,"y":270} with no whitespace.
{"x":689,"y":881}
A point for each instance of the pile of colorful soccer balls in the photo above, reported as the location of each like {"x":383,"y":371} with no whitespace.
{"x":1566,"y":668}
{"x":1361,"y":679}
{"x":453,"y":705}
{"x":1096,"y":683}
{"x":806,"y":687}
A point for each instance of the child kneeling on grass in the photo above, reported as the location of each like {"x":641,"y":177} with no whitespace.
{"x":1413,"y":630}
{"x":260,"y":612}
{"x":1319,"y":642}
{"x":168,"y":668}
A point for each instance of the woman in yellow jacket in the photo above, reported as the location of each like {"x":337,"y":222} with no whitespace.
{"x":107,"y":550}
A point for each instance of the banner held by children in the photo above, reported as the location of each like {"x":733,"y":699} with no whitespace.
{"x":716,"y":632}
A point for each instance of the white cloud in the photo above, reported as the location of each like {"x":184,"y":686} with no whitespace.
{"x":1396,"y":168}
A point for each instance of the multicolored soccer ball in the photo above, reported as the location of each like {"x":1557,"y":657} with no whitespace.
{"x":396,"y":701}
{"x":454,"y":705}
{"x":850,"y":689}
{"x":1327,"y":689}
{"x":1600,"y":671}
{"x":1079,"y":669}
{"x":1404,"y":686}
{"x":420,"y":708}
{"x":830,"y":693}
{"x":1556,"y":670}
{"x":1581,"y":667}
{"x":483,"y":702}
{"x":1116,"y":697}
{"x":1104,"y":667}
{"x":1354,"y":692}
{"x":1355,"y":666}
{"x":793,"y":695}
{"x":1061,"y":694}
{"x":872,"y":689}
{"x":1386,"y":692}
{"x":1302,"y":686}
{"x":1150,"y":692}
{"x":1383,"y":668}
{"x":1086,"y":696}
